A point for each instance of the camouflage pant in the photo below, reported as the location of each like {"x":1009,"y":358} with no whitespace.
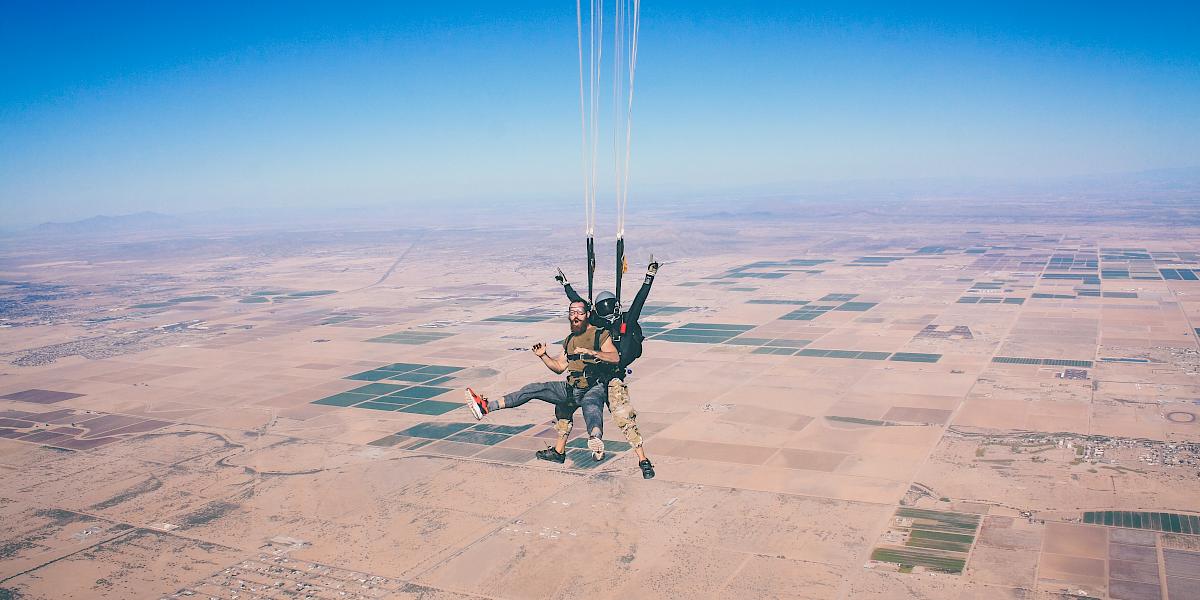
{"x":622,"y":411}
{"x":620,"y":408}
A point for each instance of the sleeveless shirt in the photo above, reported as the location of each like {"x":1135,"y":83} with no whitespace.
{"x":585,"y":371}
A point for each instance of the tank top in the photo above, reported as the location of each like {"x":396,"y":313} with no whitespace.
{"x":585,"y":371}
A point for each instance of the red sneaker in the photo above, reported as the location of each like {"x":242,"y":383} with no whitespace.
{"x":477,"y":404}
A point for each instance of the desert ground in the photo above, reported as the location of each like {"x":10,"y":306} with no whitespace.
{"x":839,"y":403}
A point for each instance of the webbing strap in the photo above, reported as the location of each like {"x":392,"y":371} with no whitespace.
{"x":591,"y":265}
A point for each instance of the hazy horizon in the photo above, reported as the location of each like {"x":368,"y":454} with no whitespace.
{"x":733,"y":200}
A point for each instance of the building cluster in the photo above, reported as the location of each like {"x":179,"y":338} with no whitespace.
{"x":275,"y":577}
{"x":1149,"y":452}
{"x":109,"y":345}
{"x":1102,"y":450}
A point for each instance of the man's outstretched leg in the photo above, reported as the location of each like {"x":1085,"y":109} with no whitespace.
{"x":626,"y":418}
{"x":558,"y":393}
{"x":554,"y":392}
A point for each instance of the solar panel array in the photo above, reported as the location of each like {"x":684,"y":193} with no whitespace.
{"x":874,"y":261}
{"x":519,"y":318}
{"x":493,"y":442}
{"x":771,"y":269}
{"x":915,"y":357}
{"x":1156,"y":521}
{"x":731,"y":335}
{"x":411,"y":337}
{"x":652,"y":310}
{"x":838,"y":297}
{"x":1049,"y":362}
{"x":773,"y":301}
{"x":703,"y":333}
{"x":400,"y":387}
{"x":991,"y":300}
{"x":1180,"y":274}
{"x":854,"y":354}
{"x":809,"y":312}
{"x":1092,"y":279}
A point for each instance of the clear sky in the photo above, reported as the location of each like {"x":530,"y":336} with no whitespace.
{"x":186,"y":106}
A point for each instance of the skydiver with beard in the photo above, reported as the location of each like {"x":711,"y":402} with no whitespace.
{"x":588,"y":358}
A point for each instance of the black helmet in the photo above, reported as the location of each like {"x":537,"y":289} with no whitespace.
{"x":607,"y":307}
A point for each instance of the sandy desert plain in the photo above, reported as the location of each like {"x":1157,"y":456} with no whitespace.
{"x":842,"y":405}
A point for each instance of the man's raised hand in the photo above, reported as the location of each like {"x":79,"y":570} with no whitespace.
{"x":652,"y":269}
{"x":539,"y":349}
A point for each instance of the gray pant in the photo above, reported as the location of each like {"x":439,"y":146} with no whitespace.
{"x":565,"y":398}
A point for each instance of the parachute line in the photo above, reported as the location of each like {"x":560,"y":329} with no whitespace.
{"x":589,"y":118}
{"x":634,"y":26}
{"x":626,"y":26}
{"x":625,"y":40}
{"x":583,"y":137}
{"x":597,"y":40}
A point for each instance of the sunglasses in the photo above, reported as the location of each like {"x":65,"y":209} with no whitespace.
{"x":576,"y":311}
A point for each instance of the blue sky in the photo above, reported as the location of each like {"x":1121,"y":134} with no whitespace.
{"x":181,"y":107}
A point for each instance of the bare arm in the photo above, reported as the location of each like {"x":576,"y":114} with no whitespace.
{"x":557,"y":364}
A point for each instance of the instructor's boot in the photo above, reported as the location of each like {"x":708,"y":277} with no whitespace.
{"x":477,"y":404}
{"x":596,"y":445}
{"x":551,"y":455}
{"x":647,"y":469}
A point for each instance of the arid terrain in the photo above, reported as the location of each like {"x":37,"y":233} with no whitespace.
{"x":840,"y":402}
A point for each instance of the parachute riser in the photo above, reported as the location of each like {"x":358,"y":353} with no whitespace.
{"x":591,"y":265}
{"x":620,"y":267}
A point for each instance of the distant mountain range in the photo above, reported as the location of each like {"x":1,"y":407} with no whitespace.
{"x":106,"y":224}
{"x":1176,"y":187}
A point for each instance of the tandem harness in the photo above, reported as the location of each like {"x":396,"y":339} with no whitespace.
{"x":592,"y":373}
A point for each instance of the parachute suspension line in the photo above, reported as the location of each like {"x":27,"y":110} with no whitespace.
{"x":617,"y":80}
{"x":625,"y":43}
{"x":583,"y":137}
{"x":597,"y":56}
{"x":634,"y":27}
{"x":626,"y":27}
{"x":589,"y":119}
{"x":588,"y":213}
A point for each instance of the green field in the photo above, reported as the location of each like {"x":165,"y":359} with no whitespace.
{"x":938,"y":545}
{"x":1168,"y":522}
{"x":940,"y":521}
{"x":920,"y":558}
{"x":941,"y":536}
{"x":936,"y":540}
{"x":857,"y":421}
{"x":192,"y":299}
